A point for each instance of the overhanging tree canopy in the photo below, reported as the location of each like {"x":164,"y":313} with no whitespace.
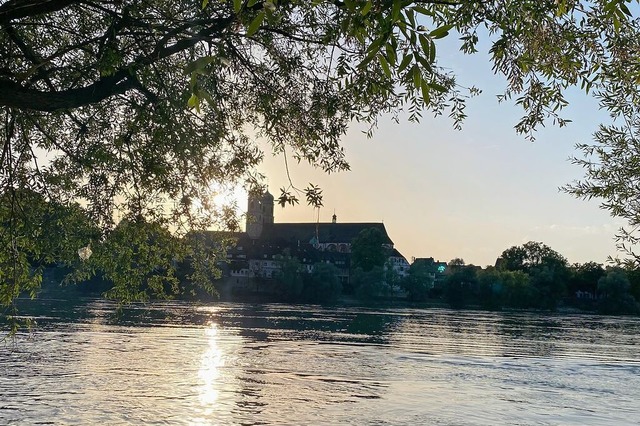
{"x":134,"y":107}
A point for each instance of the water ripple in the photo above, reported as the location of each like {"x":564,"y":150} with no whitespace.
{"x":179,"y":364}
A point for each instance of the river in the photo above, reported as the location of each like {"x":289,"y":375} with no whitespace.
{"x":236,"y":364}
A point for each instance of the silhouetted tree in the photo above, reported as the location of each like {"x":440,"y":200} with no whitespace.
{"x":490,"y":288}
{"x":584,"y":277}
{"x":530,"y":255}
{"x":460,"y":285}
{"x":457,"y":262}
{"x":546,"y":268}
{"x":517,"y":290}
{"x":290,"y":277}
{"x":323,"y":284}
{"x":367,"y":250}
{"x":370,"y":284}
{"x":614,"y":294}
{"x":419,"y":281}
{"x":634,"y":282}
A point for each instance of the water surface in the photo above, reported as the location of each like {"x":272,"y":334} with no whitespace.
{"x":180,"y":364}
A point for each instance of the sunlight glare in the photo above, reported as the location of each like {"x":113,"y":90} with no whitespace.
{"x":209,"y":372}
{"x":234,"y":197}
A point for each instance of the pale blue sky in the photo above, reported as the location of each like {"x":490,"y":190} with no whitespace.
{"x":470,"y":193}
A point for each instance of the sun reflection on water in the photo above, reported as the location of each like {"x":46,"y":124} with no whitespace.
{"x":209,"y":373}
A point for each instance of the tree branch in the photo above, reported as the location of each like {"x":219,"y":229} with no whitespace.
{"x":16,"y":9}
{"x":16,"y":96}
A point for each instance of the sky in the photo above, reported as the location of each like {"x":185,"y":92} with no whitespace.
{"x":467,"y":194}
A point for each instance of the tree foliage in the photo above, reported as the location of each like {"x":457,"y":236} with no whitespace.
{"x":133,"y":109}
{"x":461,"y":281}
{"x":610,"y":162}
{"x":584,"y":277}
{"x":297,"y":284}
{"x":35,"y":234}
{"x":290,"y":277}
{"x":531,"y":276}
{"x":420,"y":280}
{"x":612,"y":174}
{"x":547,"y":271}
{"x":614,"y":294}
{"x":323,"y":284}
{"x":369,"y":284}
{"x":529,"y":256}
{"x":368,"y":250}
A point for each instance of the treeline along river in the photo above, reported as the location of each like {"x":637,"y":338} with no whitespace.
{"x":180,"y":364}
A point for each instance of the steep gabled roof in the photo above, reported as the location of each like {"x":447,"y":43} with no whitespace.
{"x":327,"y":232}
{"x":396,"y":253}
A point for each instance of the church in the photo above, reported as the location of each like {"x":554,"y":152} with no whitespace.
{"x":257,"y":250}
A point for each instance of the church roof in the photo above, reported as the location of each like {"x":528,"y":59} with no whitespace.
{"x":396,"y":253}
{"x":327,"y":232}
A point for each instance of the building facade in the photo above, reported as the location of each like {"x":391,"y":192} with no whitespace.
{"x":257,"y":253}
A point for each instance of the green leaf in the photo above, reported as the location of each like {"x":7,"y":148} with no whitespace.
{"x":425,"y":44}
{"x":391,"y":54}
{"x":625,"y":9}
{"x":616,"y":22}
{"x":417,"y":77}
{"x":395,"y":10}
{"x":432,"y":52}
{"x":368,"y":58}
{"x":425,"y":92}
{"x":405,"y":63}
{"x":403,"y":29}
{"x":411,"y":16}
{"x":441,"y":32}
{"x":205,"y":3}
{"x":384,"y":64}
{"x":367,"y":7}
{"x":423,"y":61}
{"x":237,"y":6}
{"x":194,"y":102}
{"x":199,"y":64}
{"x":372,"y":51}
{"x":255,"y":24}
{"x":608,"y":7}
{"x":423,"y":10}
{"x":438,"y":87}
{"x":376,"y":44}
{"x":203,"y":94}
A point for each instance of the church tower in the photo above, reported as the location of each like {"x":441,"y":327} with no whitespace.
{"x":259,"y":213}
